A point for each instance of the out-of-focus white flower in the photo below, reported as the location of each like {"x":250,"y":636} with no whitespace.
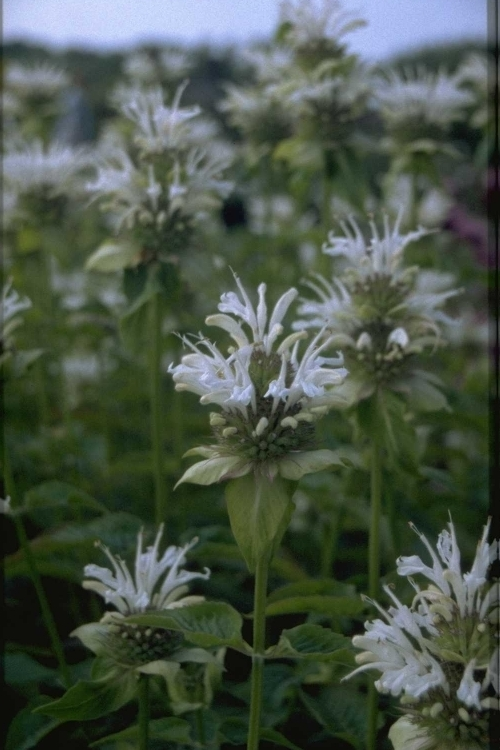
{"x":36,"y":81}
{"x":314,"y":21}
{"x":5,"y":505}
{"x":439,"y":654}
{"x":12,"y":305}
{"x":413,"y":101}
{"x":157,"y":584}
{"x":397,"y":307}
{"x":52,"y":171}
{"x":269,"y":394}
{"x":474,"y":76}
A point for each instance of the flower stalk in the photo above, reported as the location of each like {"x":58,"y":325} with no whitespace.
{"x":156,"y":409}
{"x":259,"y":631}
{"x":144,"y":710}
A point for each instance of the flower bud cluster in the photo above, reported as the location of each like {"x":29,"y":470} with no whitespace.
{"x":135,"y":645}
{"x":439,"y":656}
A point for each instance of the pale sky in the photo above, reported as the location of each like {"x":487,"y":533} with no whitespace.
{"x":393,"y":25}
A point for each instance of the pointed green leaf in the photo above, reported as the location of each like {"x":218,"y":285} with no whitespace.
{"x":259,"y":512}
{"x":112,"y":256}
{"x":52,"y":501}
{"x":169,"y":729}
{"x":207,"y":624}
{"x":334,"y":606}
{"x":91,"y":699}
{"x":312,"y":642}
{"x":214,"y":470}
{"x":342,"y":712}
{"x":296,"y":465}
{"x":27,"y":729}
{"x":20,"y":668}
{"x":312,"y":587}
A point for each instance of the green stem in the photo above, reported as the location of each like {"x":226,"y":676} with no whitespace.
{"x":374,"y":570}
{"x":200,"y":727}
{"x":143,"y":717}
{"x":48,"y":619}
{"x":259,"y":630}
{"x":157,"y":415}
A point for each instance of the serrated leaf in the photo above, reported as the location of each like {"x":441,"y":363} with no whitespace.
{"x":91,"y":699}
{"x":207,"y":624}
{"x":342,"y":712}
{"x":314,"y":642}
{"x":333,"y":606}
{"x":259,"y":512}
{"x":169,"y":729}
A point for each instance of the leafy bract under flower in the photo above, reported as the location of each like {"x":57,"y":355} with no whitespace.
{"x":269,"y":394}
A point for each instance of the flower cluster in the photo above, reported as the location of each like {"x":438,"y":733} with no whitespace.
{"x":270,"y":396}
{"x":157,"y":584}
{"x":440,"y":655}
{"x":306,"y":90}
{"x":37,"y":172}
{"x":418,"y":105}
{"x":155,"y":182}
{"x":382,"y":313}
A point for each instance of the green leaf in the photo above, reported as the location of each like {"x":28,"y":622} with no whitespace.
{"x":308,"y":462}
{"x":271,"y":735}
{"x":207,"y":624}
{"x":112,"y":256}
{"x":65,"y":551}
{"x":52,"y":501}
{"x":312,"y":587}
{"x":312,"y":642}
{"x":27,"y":729}
{"x":169,"y":729}
{"x":214,"y":470}
{"x":334,"y":606}
{"x":259,"y":512}
{"x":91,"y":699}
{"x":342,"y":712}
{"x":20,"y":668}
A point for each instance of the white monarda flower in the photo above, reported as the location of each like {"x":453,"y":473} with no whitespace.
{"x":11,"y":305}
{"x":314,"y":21}
{"x":35,"y":81}
{"x":439,"y":654}
{"x":156,"y":584}
{"x":384,"y":314}
{"x":418,"y":99}
{"x":53,"y":171}
{"x":269,"y":394}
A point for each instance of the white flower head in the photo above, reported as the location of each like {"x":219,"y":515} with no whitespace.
{"x":53,"y":170}
{"x":383,"y":313}
{"x":270,"y":395}
{"x":313,"y":21}
{"x":437,"y":655}
{"x":156,"y":584}
{"x":413,"y":101}
{"x":35,"y":81}
{"x":11,"y":306}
